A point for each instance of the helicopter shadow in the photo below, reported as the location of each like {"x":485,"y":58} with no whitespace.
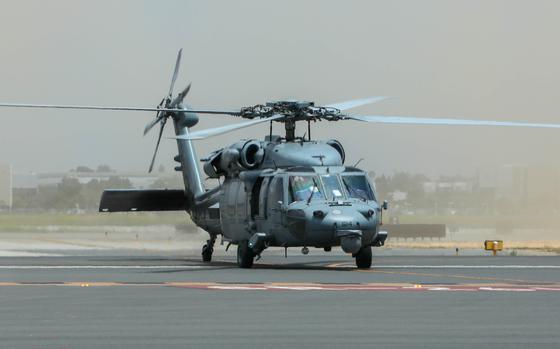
{"x":317,"y":265}
{"x":225,"y":265}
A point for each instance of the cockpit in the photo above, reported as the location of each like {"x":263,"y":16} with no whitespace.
{"x":329,"y":187}
{"x":271,"y":193}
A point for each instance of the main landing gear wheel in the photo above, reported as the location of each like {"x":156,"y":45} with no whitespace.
{"x":208,"y":249}
{"x":244,"y":255}
{"x":363,"y":258}
{"x":207,"y":253}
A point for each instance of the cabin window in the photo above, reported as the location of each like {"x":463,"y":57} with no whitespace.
{"x":255,"y":197}
{"x":332,"y":187}
{"x":304,"y":187}
{"x":358,"y":187}
{"x":262,"y":196}
{"x":231,"y":199}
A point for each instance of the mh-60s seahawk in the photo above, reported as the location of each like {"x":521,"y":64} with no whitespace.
{"x":278,"y":192}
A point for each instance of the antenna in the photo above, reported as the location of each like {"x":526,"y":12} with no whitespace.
{"x":356,"y":164}
{"x":320,"y":157}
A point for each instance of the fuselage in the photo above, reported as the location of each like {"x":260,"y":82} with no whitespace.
{"x":289,"y":194}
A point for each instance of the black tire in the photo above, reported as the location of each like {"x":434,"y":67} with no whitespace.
{"x":207,"y":253}
{"x":245,"y":255}
{"x":363,"y":258}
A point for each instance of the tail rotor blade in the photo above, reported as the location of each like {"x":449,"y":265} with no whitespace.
{"x":152,"y":123}
{"x":175,"y":72}
{"x":179,"y":97}
{"x":157,"y":145}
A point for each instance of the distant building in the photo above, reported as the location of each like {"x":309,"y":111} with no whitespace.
{"x":543,"y":188}
{"x":521,"y":187}
{"x":139,"y":180}
{"x":512,"y":183}
{"x":27,"y":181}
{"x":446,"y":186}
{"x":398,"y":195}
{"x":5,"y":186}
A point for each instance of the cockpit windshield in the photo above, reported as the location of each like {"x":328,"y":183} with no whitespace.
{"x":357,"y":187}
{"x":332,"y":187}
{"x":305,"y":188}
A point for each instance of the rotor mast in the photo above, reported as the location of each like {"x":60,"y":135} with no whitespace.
{"x":290,"y":126}
{"x":292,"y":110}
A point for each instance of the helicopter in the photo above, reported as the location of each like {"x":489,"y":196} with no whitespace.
{"x":281,"y":191}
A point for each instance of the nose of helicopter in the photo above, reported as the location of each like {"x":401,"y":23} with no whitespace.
{"x":352,"y":225}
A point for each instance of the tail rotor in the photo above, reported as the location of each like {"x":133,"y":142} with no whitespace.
{"x":167,"y":102}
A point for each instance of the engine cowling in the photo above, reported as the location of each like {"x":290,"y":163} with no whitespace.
{"x":339,"y":148}
{"x":229,"y":160}
{"x":246,"y":155}
{"x":251,"y":154}
{"x":212,"y":166}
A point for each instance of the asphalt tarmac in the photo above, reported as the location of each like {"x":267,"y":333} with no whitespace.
{"x":147,"y":300}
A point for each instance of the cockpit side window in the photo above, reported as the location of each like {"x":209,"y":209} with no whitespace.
{"x":357,"y":187}
{"x":304,"y":187}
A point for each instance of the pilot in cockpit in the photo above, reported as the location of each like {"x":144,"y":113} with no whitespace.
{"x":302,"y":187}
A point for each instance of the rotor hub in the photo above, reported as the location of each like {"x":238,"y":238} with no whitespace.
{"x":292,"y":110}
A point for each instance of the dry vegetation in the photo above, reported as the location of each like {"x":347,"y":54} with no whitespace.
{"x":541,"y":245}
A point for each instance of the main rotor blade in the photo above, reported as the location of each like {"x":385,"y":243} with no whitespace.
{"x":356,"y":103}
{"x":210,"y":132}
{"x":157,"y":144}
{"x":175,"y":72}
{"x":91,"y":107}
{"x":409,"y":120}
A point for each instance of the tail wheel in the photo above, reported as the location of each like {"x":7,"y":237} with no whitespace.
{"x":363,"y":258}
{"x":245,"y":255}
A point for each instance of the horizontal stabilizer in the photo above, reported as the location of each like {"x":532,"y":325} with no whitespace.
{"x":142,"y":200}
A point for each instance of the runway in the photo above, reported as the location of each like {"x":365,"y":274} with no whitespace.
{"x":160,"y":300}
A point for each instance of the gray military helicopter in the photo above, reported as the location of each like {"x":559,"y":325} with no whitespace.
{"x":283,"y":191}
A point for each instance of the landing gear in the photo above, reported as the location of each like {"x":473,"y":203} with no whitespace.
{"x":363,"y":258}
{"x":208,"y":249}
{"x":245,"y":255}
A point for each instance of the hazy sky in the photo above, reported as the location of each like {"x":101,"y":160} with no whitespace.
{"x":466,"y":59}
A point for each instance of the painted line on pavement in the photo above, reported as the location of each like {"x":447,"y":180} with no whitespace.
{"x":106,"y":266}
{"x":467,"y":266}
{"x":337,"y":265}
{"x":378,"y":287}
{"x":451,"y":266}
{"x":307,"y":287}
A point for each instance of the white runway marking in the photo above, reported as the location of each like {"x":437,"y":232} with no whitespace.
{"x":374,"y":287}
{"x":104,"y":266}
{"x":466,"y":266}
{"x":8,"y":267}
{"x":14,"y":253}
